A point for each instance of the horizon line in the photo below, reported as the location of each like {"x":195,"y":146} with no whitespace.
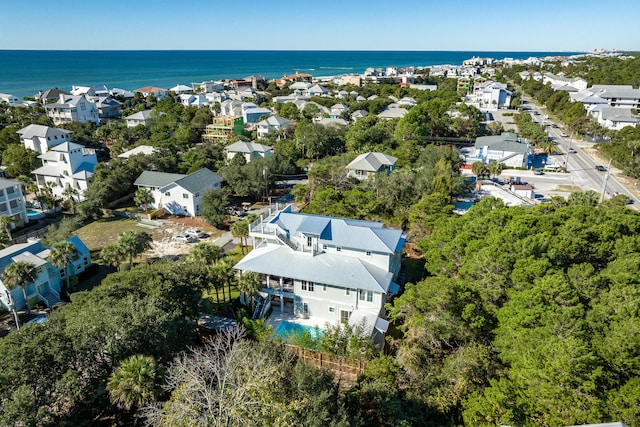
{"x":293,"y":50}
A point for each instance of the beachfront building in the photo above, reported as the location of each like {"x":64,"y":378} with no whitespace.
{"x":6,"y":98}
{"x":249,"y":150}
{"x":506,"y":148}
{"x":72,"y":109}
{"x":158,"y":92}
{"x":292,"y":78}
{"x":66,"y":165}
{"x":176,"y":193}
{"x":12,"y":202}
{"x":90,"y":91}
{"x":48,"y":279}
{"x":40,"y":138}
{"x":271,"y":124}
{"x":367,"y":165}
{"x":50,"y":95}
{"x":181,"y":89}
{"x":222,"y":128}
{"x":326,"y":268}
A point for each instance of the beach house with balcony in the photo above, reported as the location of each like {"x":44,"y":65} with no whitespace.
{"x":12,"y":202}
{"x":506,"y":148}
{"x":179,"y":194}
{"x":250,"y":150}
{"x":66,"y":165}
{"x":72,"y":109}
{"x":48,"y":279}
{"x":41,"y":138}
{"x":325,"y":268}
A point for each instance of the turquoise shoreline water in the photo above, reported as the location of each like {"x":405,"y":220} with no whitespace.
{"x":25,"y":72}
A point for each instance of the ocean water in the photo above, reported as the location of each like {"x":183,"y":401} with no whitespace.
{"x":24,"y":73}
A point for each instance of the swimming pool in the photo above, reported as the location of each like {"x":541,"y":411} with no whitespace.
{"x":286,"y":329}
{"x":33,"y":214}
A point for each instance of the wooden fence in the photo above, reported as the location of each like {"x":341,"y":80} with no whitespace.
{"x":346,"y":371}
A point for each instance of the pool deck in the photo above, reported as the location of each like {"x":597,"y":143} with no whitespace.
{"x":277,"y":318}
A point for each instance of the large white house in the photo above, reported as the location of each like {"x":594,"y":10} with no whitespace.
{"x":179,"y":194}
{"x":48,"y":279}
{"x":41,"y":138}
{"x":66,"y":165}
{"x":271,"y":124}
{"x":325,"y":268}
{"x":489,"y":96}
{"x":506,"y":148}
{"x":72,"y":109}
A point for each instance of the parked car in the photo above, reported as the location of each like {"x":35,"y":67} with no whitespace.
{"x":197,"y":233}
{"x":571,"y":150}
{"x":184,"y":238}
{"x":538,"y":172}
{"x":600,"y":168}
{"x":563,"y":134}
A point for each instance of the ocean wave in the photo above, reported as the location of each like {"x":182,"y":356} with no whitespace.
{"x":336,"y":68}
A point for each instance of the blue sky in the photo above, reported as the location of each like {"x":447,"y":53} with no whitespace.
{"x":515,"y":25}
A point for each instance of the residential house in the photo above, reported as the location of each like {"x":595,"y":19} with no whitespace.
{"x":316,"y":90}
{"x":251,"y":113}
{"x":66,"y":165}
{"x":615,"y":118}
{"x":297,"y":77}
{"x":12,"y":202}
{"x":618,"y":95}
{"x":179,"y":194}
{"x":352,"y":79}
{"x":392,"y":113}
{"x":193,"y":100}
{"x":231,"y":107}
{"x":271,"y":124}
{"x":407,"y":101}
{"x":222,"y":128}
{"x":523,"y":190}
{"x":158,"y":92}
{"x":108,"y":108}
{"x":506,"y":148}
{"x":366,"y":165}
{"x":250,"y":150}
{"x":48,"y":279}
{"x":40,"y":138}
{"x":90,"y":91}
{"x":121,"y":93}
{"x":358,"y":114}
{"x":140,"y":118}
{"x":337,"y":110}
{"x":489,"y":96}
{"x":560,"y":82}
{"x":326,"y":268}
{"x":327,"y":121}
{"x":208,"y":87}
{"x":72,"y":109}
{"x":50,"y":95}
{"x":9,"y":99}
{"x":181,"y":89}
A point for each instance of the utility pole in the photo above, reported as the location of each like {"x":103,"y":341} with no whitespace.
{"x":604,"y":181}
{"x":566,"y":162}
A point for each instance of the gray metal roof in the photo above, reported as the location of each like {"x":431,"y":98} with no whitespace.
{"x":199,"y":181}
{"x":41,"y":131}
{"x":157,"y":179}
{"x":507,"y":141}
{"x":372,"y":162}
{"x":7,"y":183}
{"x":347,"y":233}
{"x":332,"y":269}
{"x":247,"y":147}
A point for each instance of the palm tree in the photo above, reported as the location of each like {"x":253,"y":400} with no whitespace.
{"x":240,"y":229}
{"x":69,"y":194}
{"x":495,"y":168}
{"x":5,"y":222}
{"x":134,"y":243}
{"x":19,"y":274}
{"x":143,"y":197}
{"x":225,"y":273}
{"x":62,"y":254}
{"x":248,"y":285}
{"x":113,"y":254}
{"x":133,"y":383}
{"x":207,"y":254}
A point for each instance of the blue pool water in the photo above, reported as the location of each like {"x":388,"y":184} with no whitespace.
{"x":33,"y":214}
{"x":286,"y":329}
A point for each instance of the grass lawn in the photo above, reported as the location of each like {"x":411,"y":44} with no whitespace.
{"x":100,"y":233}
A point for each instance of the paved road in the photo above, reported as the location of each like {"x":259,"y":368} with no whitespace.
{"x":581,"y":166}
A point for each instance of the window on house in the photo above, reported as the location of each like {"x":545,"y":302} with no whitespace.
{"x":305,"y":308}
{"x":310,"y":286}
{"x":85,"y":261}
{"x":185,"y":196}
{"x":304,"y":285}
{"x":344,"y":316}
{"x":167,"y":194}
{"x":332,"y":309}
{"x":308,"y":240}
{"x":347,"y":291}
{"x":324,"y":246}
{"x":338,"y":249}
{"x":62,"y":273}
{"x":368,"y":253}
{"x":324,"y":287}
{"x":369,"y":296}
{"x":361,"y":295}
